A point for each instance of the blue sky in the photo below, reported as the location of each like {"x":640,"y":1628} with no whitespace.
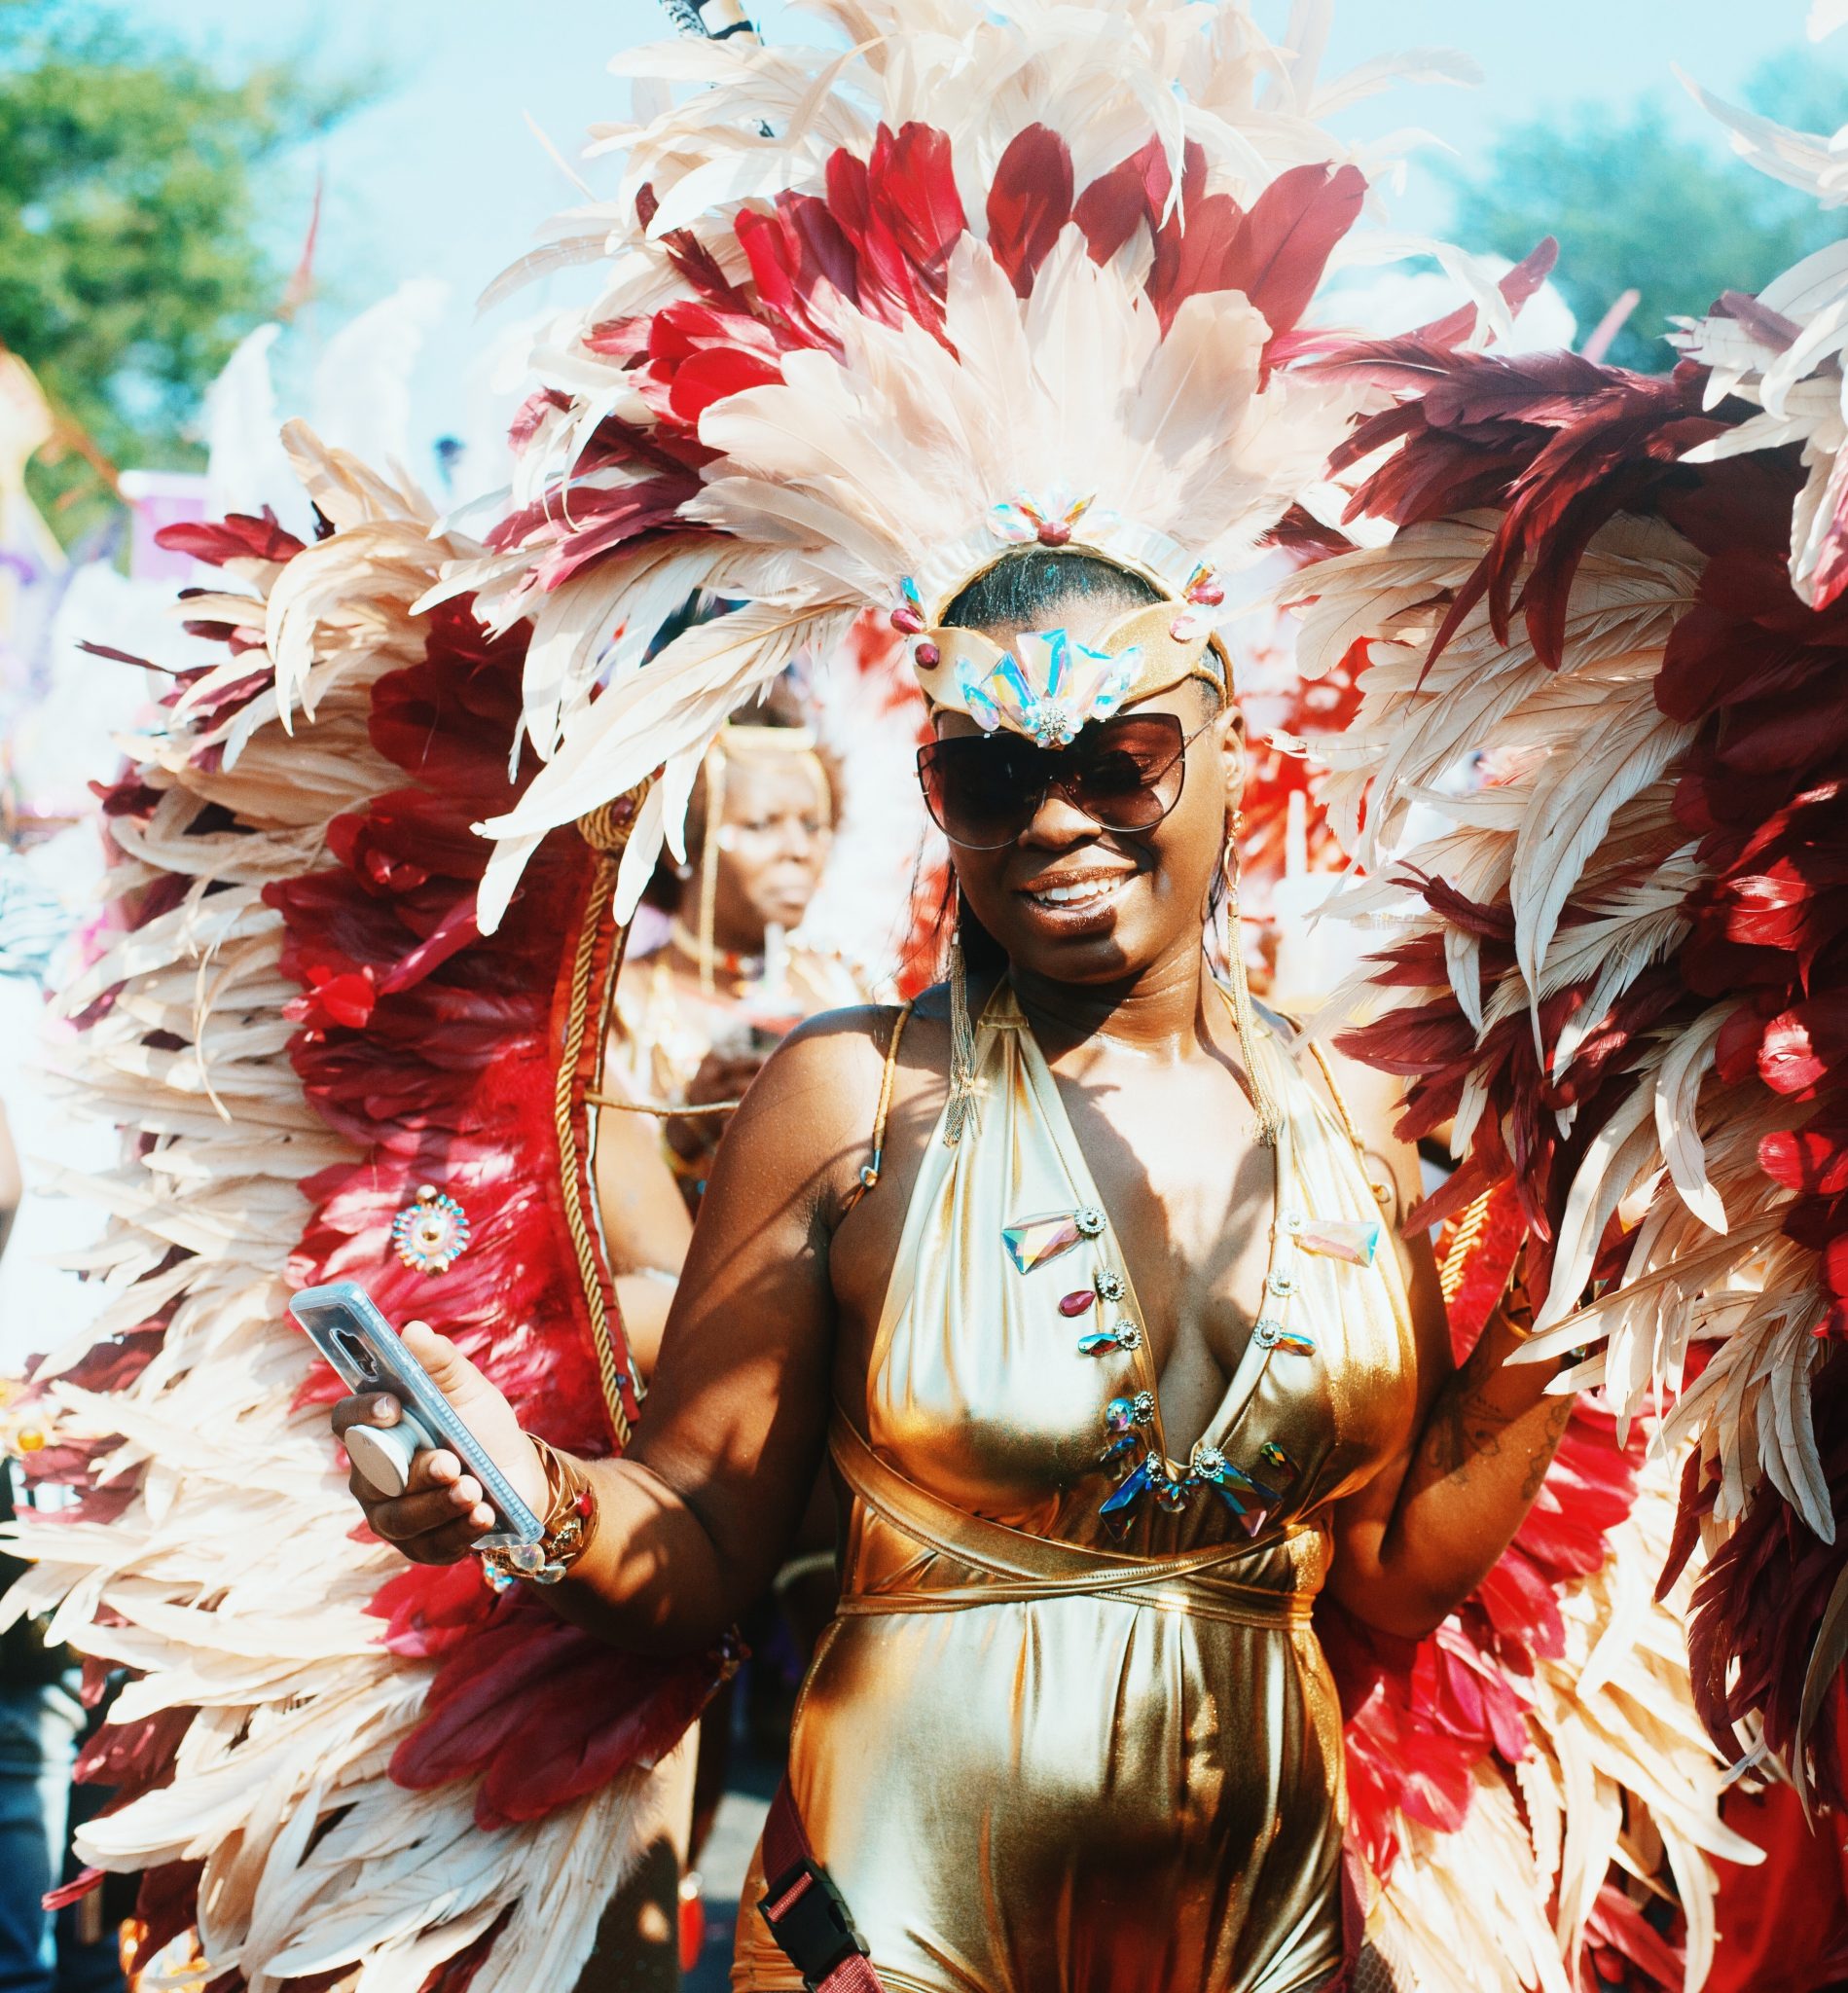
{"x":442,"y":177}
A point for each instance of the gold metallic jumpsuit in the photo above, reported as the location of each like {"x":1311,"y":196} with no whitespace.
{"x":1044,"y":1749}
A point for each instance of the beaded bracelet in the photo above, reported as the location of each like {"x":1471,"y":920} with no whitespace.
{"x":570,"y":1521}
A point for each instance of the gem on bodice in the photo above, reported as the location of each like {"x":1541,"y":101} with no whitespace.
{"x":1077,"y":1302}
{"x":1271,"y":1334}
{"x":1106,"y":1342}
{"x":1109,"y":1285}
{"x":1034,"y":1242}
{"x":1354,"y":1240}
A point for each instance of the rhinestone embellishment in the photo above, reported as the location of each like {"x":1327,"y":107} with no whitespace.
{"x":430,"y":1235}
{"x":1106,"y":1342}
{"x":1036,"y":1242}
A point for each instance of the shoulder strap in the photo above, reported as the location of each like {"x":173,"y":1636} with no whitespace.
{"x":869,"y":1170}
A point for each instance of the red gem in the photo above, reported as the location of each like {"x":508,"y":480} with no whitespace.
{"x":1077,"y":1302}
{"x":927,"y":655}
{"x":1208,"y":593}
{"x":907,"y":621}
{"x":1054,"y":532}
{"x":584,"y":1502}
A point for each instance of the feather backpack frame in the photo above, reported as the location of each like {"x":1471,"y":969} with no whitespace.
{"x":1615,"y":965}
{"x":788,"y":395}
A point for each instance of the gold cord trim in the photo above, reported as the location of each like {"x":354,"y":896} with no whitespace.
{"x":665,"y":1110}
{"x":606,"y":832}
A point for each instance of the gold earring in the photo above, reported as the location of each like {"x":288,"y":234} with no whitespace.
{"x":1243,"y":1017}
{"x":961,"y":1112}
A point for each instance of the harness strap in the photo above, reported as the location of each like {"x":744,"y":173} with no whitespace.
{"x":805,"y":1911}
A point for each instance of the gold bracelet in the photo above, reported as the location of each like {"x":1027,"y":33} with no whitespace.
{"x":571,"y":1522}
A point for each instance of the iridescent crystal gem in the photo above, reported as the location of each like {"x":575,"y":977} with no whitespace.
{"x":1172,"y":1494}
{"x":1131,"y":1488}
{"x":1354,"y":1240}
{"x":1115,"y":1455}
{"x":1272,"y":1456}
{"x":430,"y":1235}
{"x":1077,"y":1302}
{"x":1254,"y":1519}
{"x":1271,"y":1334}
{"x":1106,"y":1342}
{"x":1108,"y":1285}
{"x":1034,"y":1242}
{"x":1119,"y":1414}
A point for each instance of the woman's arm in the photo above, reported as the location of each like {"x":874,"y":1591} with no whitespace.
{"x":1415,"y":1541}
{"x":645,"y":1225}
{"x":693,"y":1521}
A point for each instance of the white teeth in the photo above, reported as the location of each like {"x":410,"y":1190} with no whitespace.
{"x":1072,"y":895}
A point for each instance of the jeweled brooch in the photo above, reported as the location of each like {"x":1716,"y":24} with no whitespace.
{"x":430,"y":1235}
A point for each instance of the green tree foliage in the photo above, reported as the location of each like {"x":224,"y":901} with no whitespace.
{"x":134,"y":182}
{"x":1636,"y":201}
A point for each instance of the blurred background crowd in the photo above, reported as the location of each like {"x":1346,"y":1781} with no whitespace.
{"x":217,"y":216}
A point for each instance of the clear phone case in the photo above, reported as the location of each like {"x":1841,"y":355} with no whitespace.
{"x":344,"y":1322}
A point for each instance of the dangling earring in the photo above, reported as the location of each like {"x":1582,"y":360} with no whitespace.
{"x":709,"y":865}
{"x":961,"y":1111}
{"x":1243,"y":1015}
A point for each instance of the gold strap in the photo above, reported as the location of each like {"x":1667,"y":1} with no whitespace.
{"x":1017,"y":1567}
{"x":869,"y":1170}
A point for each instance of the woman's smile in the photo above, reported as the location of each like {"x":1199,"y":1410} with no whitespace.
{"x":1076,"y":896}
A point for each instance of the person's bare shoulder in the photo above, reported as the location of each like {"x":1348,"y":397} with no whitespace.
{"x":808,"y":1115}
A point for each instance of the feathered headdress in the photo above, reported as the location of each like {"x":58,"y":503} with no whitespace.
{"x":989,"y":277}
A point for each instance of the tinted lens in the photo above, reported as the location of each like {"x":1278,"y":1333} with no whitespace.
{"x":1127,"y":776}
{"x":982,"y":788}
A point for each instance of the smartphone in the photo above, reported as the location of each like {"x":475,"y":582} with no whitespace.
{"x":344,"y":1322}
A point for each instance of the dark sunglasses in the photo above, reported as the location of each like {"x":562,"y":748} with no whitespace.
{"x":1124,"y":773}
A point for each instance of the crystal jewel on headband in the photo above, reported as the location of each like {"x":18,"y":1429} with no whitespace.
{"x":1051,"y":519}
{"x":1048,"y":687}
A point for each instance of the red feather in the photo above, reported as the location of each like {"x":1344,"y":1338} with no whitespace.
{"x":1029,"y":202}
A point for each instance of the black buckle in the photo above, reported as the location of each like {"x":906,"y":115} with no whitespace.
{"x":814,"y":1932}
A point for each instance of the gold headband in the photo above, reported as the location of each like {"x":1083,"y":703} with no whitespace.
{"x":1046,"y":685}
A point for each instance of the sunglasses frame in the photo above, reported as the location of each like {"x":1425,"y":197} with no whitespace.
{"x":1051,"y":781}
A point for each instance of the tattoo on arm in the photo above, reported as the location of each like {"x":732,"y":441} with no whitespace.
{"x":1464,"y":1424}
{"x":1557,"y":1420}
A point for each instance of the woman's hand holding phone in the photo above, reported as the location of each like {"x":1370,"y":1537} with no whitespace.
{"x":443,"y":1512}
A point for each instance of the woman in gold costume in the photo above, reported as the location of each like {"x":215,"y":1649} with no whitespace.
{"x":1072,"y":1272}
{"x":1086,"y":1279}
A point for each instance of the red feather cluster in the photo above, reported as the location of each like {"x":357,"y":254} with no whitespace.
{"x":1560,"y":447}
{"x":433,"y":1049}
{"x":878,"y":241}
